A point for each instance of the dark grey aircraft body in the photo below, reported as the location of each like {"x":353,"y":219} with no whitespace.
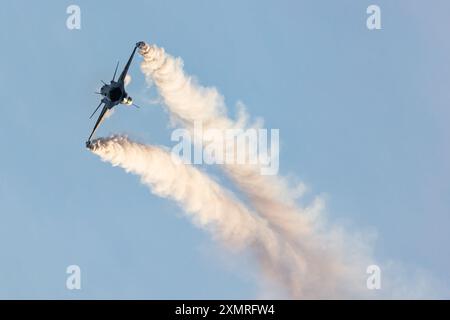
{"x":114,"y":93}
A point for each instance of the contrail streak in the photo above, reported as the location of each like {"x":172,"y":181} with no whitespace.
{"x":214,"y":209}
{"x":293,"y":245}
{"x":322,"y":257}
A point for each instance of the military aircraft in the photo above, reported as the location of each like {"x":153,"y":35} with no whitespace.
{"x":114,"y":93}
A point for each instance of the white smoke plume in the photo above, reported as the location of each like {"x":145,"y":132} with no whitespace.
{"x":327,"y":268}
{"x":293,"y":245}
{"x":215,"y":209}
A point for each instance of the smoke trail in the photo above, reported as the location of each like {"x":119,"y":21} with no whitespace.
{"x":325,"y":264}
{"x":291,"y":244}
{"x":216,"y":210}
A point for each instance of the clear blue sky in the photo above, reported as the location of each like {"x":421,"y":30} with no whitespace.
{"x":363,"y":118}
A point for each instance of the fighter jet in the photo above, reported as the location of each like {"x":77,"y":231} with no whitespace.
{"x":114,"y":93}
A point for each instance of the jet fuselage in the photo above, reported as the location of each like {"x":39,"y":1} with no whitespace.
{"x":115,"y":93}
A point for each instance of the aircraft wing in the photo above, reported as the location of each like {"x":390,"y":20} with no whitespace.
{"x":99,"y":120}
{"x":125,"y":70}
